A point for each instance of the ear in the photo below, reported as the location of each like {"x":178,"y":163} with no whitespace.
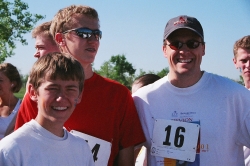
{"x":164,"y":49}
{"x":204,"y":48}
{"x":32,"y":93}
{"x":235,"y":63}
{"x":79,"y":98}
{"x":60,"y":39}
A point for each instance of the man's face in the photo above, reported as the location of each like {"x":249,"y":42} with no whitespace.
{"x":44,"y":45}
{"x":84,"y":50}
{"x":184,"y":61}
{"x":242,"y":62}
{"x":56,"y":100}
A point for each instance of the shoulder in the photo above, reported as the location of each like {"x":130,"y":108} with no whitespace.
{"x":78,"y":141}
{"x":15,"y":139}
{"x":225,"y":83}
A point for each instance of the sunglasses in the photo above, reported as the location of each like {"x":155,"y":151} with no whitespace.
{"x":86,"y":33}
{"x":192,"y":44}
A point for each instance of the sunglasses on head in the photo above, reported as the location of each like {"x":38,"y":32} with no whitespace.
{"x":86,"y":33}
{"x":192,"y":44}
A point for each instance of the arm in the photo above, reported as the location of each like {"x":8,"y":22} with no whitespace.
{"x":126,"y":157}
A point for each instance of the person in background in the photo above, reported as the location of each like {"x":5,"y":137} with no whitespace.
{"x":106,"y":117}
{"x":10,"y":83}
{"x":141,"y":81}
{"x":192,"y":117}
{"x":44,"y":42}
{"x":56,"y":84}
{"x":241,"y":61}
{"x":242,"y":58}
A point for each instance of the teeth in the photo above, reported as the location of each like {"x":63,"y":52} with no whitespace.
{"x":91,"y":49}
{"x":184,"y":60}
{"x":59,"y":108}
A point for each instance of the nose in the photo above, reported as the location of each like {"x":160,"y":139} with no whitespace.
{"x":248,"y":64}
{"x":37,"y":54}
{"x":61,"y":96}
{"x":184,"y":49}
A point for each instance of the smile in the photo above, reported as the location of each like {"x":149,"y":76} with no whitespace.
{"x":184,"y":60}
{"x":60,"y":108}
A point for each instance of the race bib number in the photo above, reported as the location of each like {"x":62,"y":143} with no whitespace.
{"x":174,"y":139}
{"x":100,"y":149}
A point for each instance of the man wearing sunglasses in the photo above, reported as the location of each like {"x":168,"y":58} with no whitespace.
{"x":190,"y":116}
{"x":106,"y":117}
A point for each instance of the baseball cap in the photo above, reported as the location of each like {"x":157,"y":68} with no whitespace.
{"x":185,"y":22}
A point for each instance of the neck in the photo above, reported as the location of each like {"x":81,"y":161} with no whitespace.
{"x":7,"y":105}
{"x":88,"y":72}
{"x":247,"y":84}
{"x":184,"y":81}
{"x":53,"y":127}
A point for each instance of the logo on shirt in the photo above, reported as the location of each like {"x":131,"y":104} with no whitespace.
{"x":175,"y":114}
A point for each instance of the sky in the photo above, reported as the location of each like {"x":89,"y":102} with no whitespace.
{"x":135,"y":28}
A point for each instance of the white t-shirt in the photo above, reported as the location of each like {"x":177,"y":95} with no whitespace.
{"x":33,"y":145}
{"x":219,"y":105}
{"x":5,"y":121}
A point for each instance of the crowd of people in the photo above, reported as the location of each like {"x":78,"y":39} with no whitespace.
{"x":70,"y":115}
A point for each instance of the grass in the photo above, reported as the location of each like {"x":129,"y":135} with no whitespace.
{"x":21,"y":93}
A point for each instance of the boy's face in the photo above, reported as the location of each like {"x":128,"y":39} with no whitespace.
{"x":56,"y":100}
{"x":44,"y":45}
{"x":242,"y":62}
{"x":84,"y":50}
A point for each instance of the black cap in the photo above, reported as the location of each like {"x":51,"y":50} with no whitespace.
{"x":185,"y":22}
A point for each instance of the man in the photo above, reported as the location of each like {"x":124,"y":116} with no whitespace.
{"x":56,"y":82}
{"x":106,"y":117}
{"x":190,"y":107}
{"x":242,"y":62}
{"x":242,"y":58}
{"x":44,"y":42}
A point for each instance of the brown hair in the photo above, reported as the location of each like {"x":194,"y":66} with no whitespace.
{"x":13,"y":75}
{"x":43,"y":29}
{"x":56,"y":65}
{"x":241,"y":43}
{"x":63,"y":20}
{"x":146,"y":79}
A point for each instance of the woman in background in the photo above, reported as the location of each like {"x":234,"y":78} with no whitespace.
{"x":10,"y":83}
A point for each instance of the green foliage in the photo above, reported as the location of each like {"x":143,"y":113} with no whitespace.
{"x":21,"y":93}
{"x":161,"y":73}
{"x":15,"y":21}
{"x":119,"y":69}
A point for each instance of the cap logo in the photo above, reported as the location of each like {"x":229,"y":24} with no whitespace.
{"x":181,"y":21}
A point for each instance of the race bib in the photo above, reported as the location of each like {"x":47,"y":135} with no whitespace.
{"x":100,"y":149}
{"x":174,"y":139}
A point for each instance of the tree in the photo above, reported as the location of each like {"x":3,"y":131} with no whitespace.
{"x":15,"y":21}
{"x":161,"y":73}
{"x":119,"y":69}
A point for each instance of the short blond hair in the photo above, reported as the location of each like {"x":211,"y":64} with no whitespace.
{"x":43,"y":30}
{"x":63,"y":19}
{"x":244,"y":43}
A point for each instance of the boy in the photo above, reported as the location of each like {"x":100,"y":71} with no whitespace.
{"x":106,"y":116}
{"x":56,"y":84}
